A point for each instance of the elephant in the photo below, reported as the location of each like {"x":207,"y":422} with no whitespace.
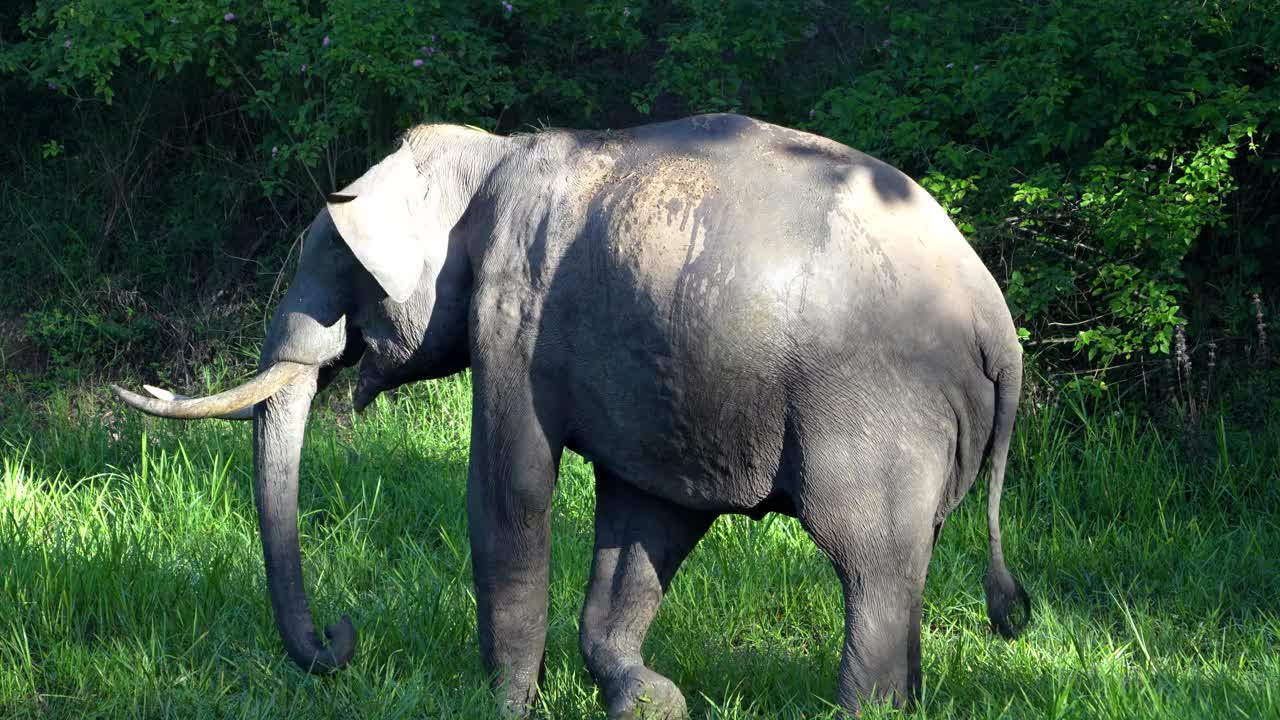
{"x":719,"y":314}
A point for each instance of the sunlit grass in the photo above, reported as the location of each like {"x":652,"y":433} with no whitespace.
{"x":132,"y":578}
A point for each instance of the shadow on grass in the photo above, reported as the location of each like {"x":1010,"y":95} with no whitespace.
{"x":1129,"y":625}
{"x":983,"y":676}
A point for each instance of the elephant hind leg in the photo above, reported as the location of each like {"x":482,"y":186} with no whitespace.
{"x":874,"y":520}
{"x":640,"y":542}
{"x":880,"y":660}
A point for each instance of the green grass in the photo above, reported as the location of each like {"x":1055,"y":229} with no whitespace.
{"x":132,"y":578}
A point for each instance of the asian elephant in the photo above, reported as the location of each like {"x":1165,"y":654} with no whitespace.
{"x":720,"y":314}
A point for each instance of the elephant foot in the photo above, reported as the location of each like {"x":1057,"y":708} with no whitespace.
{"x":517,"y":702}
{"x":643,"y":694}
{"x":508,"y":710}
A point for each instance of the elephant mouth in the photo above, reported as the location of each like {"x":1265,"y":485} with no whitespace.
{"x":234,"y":404}
{"x":368,"y":389}
{"x":371,"y":383}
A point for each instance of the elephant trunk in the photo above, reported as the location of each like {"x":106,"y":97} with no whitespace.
{"x":279,"y":423}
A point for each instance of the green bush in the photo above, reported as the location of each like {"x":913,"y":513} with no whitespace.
{"x":1096,"y":150}
{"x":1112,"y":161}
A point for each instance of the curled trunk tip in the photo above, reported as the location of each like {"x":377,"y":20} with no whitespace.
{"x":313,"y":656}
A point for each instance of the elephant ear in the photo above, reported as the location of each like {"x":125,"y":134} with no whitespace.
{"x":390,"y":219}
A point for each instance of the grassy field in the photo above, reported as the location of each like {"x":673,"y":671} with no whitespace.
{"x":132,"y":581}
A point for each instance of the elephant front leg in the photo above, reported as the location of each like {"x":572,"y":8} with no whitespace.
{"x":640,"y":542}
{"x":512,"y":477}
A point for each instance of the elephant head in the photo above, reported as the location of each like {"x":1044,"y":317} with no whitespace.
{"x":384,"y":280}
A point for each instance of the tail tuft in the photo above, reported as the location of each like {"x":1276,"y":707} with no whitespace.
{"x":1008,"y":605}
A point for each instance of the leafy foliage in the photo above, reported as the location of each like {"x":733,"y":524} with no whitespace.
{"x":1114,"y":163}
{"x":1097,"y":147}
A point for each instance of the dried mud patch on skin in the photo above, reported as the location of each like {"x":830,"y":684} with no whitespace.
{"x":665,"y":196}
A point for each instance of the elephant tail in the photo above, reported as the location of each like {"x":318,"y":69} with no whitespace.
{"x":1008,"y":605}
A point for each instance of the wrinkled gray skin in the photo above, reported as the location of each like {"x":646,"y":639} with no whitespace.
{"x":723,"y":316}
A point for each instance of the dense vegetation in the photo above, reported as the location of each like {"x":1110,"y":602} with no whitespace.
{"x":1115,"y":163}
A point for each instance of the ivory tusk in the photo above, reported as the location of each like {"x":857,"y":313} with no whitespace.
{"x":161,"y":393}
{"x":236,"y":403}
